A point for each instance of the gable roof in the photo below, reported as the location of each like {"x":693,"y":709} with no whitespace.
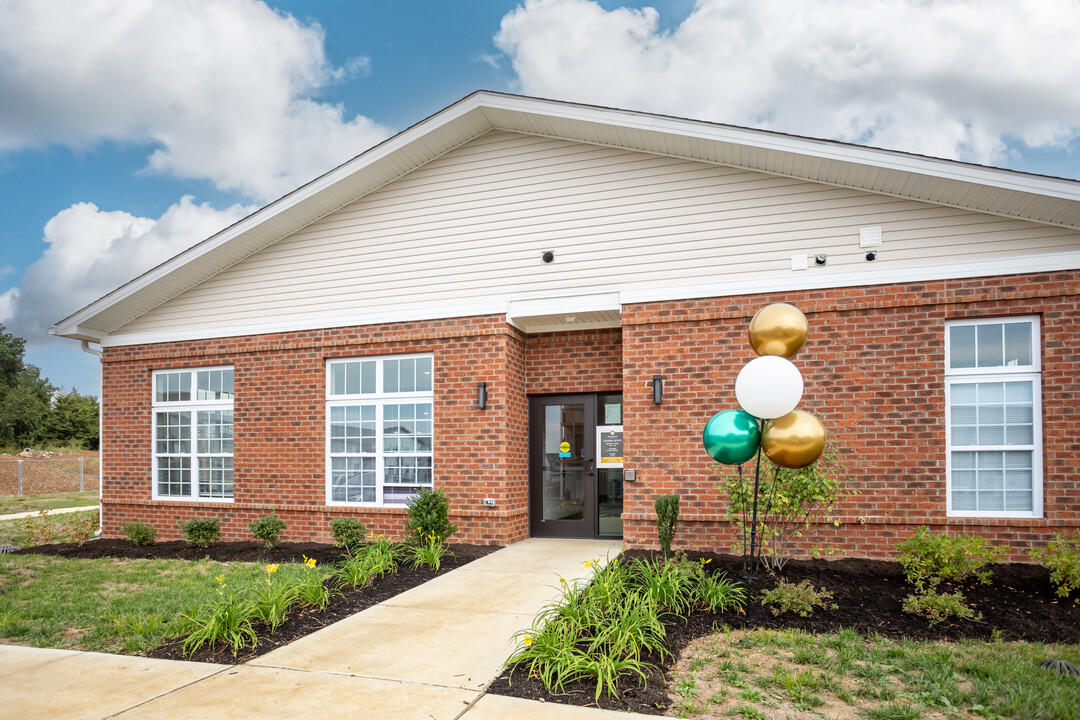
{"x":1023,"y":196}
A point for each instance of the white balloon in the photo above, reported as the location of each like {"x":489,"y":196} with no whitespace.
{"x":769,"y":387}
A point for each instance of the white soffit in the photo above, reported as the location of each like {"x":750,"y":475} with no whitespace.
{"x":577,"y":312}
{"x":1006,"y":193}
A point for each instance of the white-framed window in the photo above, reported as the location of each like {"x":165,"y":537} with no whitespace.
{"x":993,"y":417}
{"x":379,"y":429}
{"x":193,"y":434}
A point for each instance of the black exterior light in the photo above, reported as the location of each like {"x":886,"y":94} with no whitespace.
{"x":481,"y":396}
{"x":657,"y":389}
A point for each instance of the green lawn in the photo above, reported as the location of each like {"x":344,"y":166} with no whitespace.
{"x":109,"y":604}
{"x":790,"y":674}
{"x":32,"y":503}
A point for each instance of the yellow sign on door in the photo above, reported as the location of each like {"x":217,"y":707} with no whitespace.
{"x":564,"y":447}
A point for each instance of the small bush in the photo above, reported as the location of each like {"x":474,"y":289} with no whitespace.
{"x":273,"y":600}
{"x":800,"y":599}
{"x":428,"y":513}
{"x":201,"y":532}
{"x":348,"y":533}
{"x":1062,"y":556}
{"x":718,"y":594}
{"x":939,"y":606}
{"x":267,"y":529}
{"x":928,"y":558}
{"x":139,"y":532}
{"x":667,"y":518}
{"x":227,"y":620}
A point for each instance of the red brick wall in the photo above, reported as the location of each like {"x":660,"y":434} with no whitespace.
{"x":874,"y":367}
{"x":279,"y":425}
{"x":575,"y":361}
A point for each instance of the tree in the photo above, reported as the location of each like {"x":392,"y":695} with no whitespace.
{"x":11,"y":358}
{"x":74,"y":417}
{"x":23,"y":415}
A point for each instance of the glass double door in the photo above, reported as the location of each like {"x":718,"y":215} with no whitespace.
{"x":573,"y":492}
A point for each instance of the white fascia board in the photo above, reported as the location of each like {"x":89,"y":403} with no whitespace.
{"x":883,"y":276}
{"x":485,"y":306}
{"x":81,"y":332}
{"x":768,"y":140}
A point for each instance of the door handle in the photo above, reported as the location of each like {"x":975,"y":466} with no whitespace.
{"x":590,"y":466}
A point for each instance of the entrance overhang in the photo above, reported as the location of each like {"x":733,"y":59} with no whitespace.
{"x":570,"y":312}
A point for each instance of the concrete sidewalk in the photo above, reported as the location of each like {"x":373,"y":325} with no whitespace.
{"x":52,"y":511}
{"x":428,"y":653}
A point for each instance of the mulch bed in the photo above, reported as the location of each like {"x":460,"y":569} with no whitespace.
{"x":1020,"y":604}
{"x":303,"y":622}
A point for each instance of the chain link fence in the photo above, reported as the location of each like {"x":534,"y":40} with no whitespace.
{"x":39,"y":476}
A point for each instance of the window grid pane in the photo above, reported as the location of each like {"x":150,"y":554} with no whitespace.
{"x":380,"y":450}
{"x":992,"y":413}
{"x":193,"y":447}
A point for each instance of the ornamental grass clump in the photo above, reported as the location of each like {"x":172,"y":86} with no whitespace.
{"x":226,"y":620}
{"x":311,"y":591}
{"x":267,"y":530}
{"x":379,"y":557}
{"x":602,"y":630}
{"x":429,"y":553}
{"x":1062,"y":556}
{"x":274,"y":599}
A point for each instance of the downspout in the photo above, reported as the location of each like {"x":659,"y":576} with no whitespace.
{"x":101,"y":412}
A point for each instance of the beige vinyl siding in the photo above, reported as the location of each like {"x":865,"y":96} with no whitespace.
{"x":470,"y":226}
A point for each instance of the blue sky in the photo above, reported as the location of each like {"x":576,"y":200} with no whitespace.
{"x":130,"y":129}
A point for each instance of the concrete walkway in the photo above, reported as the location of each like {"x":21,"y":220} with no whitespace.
{"x":428,"y":653}
{"x":52,"y":511}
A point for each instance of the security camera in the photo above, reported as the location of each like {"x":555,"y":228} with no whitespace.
{"x":821,"y":260}
{"x":871,"y":256}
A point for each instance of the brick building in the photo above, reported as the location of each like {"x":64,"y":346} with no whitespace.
{"x":537,"y":305}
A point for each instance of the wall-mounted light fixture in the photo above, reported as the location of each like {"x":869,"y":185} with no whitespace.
{"x":481,"y":396}
{"x":657,"y":389}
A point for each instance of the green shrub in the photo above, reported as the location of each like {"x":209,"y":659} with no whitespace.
{"x":201,"y":532}
{"x":311,"y":591}
{"x":718,"y":594}
{"x":267,"y":529}
{"x":667,"y":518}
{"x":428,"y":512}
{"x":939,"y":606}
{"x":790,"y":502}
{"x":139,"y":532}
{"x":1062,"y":556}
{"x":800,"y":599}
{"x":348,"y":533}
{"x":928,"y":558}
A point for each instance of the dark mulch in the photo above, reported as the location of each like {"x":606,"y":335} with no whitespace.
{"x":298,"y":625}
{"x":1020,"y":603}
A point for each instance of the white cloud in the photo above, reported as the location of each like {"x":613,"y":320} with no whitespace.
{"x":226,"y":89}
{"x":950,"y":78}
{"x":92,"y":251}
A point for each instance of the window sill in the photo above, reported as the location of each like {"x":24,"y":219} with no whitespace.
{"x":211,"y":501}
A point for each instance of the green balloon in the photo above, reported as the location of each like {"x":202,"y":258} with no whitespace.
{"x":732,"y":437}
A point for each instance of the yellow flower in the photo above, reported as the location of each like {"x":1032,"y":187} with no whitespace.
{"x":706,"y":561}
{"x":563,"y":581}
{"x":588,"y":563}
{"x":528,"y":641}
{"x":272,"y":568}
{"x":220,"y":578}
{"x":836,"y":523}
{"x":310,"y":562}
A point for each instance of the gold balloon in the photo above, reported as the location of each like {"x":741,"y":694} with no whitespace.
{"x":778,"y":329}
{"x":794,"y":440}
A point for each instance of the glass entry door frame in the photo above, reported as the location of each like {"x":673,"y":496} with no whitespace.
{"x":575,"y":473}
{"x":562,"y":465}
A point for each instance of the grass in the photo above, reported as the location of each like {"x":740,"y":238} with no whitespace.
{"x":36,"y":530}
{"x":778,"y":674}
{"x":33,"y":503}
{"x":109,"y":604}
